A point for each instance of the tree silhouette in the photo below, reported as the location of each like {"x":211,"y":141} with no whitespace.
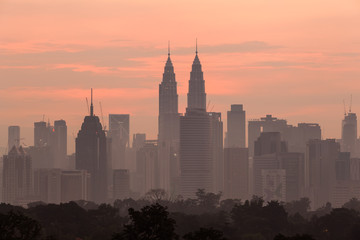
{"x":17,"y":226}
{"x":150,"y":223}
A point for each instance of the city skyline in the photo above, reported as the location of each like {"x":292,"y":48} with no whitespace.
{"x":256,"y":60}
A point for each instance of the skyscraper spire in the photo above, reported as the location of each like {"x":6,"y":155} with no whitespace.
{"x":91,"y":106}
{"x":169,"y":48}
{"x":196,"y":47}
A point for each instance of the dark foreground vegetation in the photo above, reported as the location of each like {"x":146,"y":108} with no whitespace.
{"x":160,"y":218}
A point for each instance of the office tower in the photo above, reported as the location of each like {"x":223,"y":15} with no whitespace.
{"x":13,"y":137}
{"x":17,"y":176}
{"x":119,"y":130}
{"x":236,"y":127}
{"x":355,"y":169}
{"x":266,"y":124}
{"x":236,"y":173}
{"x":60,"y":144}
{"x":41,"y":134}
{"x":147,"y":167}
{"x":196,"y":155}
{"x":217,"y":151}
{"x":294,"y":165}
{"x":267,"y":148}
{"x":75,"y":185}
{"x":168,"y":127}
{"x":320,"y":177}
{"x":91,"y":155}
{"x":47,"y":185}
{"x":349,"y":133}
{"x":297,"y":137}
{"x":121,"y":183}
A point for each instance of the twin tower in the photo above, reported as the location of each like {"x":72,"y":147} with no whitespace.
{"x":185,"y":155}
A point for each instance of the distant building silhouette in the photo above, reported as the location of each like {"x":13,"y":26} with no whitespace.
{"x":295,"y":136}
{"x":121,"y":184}
{"x":196,"y":140}
{"x":60,"y":144}
{"x":168,"y":127}
{"x":349,"y":134}
{"x":217,"y":151}
{"x":13,"y":137}
{"x":75,"y":185}
{"x":47,"y":185}
{"x":236,"y":173}
{"x":119,"y":132}
{"x":17,"y":176}
{"x":91,"y":155}
{"x":320,"y":171}
{"x":236,"y":123}
{"x":147,"y":164}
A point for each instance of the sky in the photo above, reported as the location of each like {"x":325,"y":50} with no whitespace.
{"x":297,"y":60}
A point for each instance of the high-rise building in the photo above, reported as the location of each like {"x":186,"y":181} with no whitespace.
{"x":168,"y":127}
{"x":60,"y":144}
{"x":236,"y":173}
{"x":75,"y":185}
{"x":91,"y":155}
{"x":267,"y":148}
{"x":236,"y":127}
{"x":119,"y":132}
{"x":266,"y":124}
{"x":196,"y":142}
{"x":349,"y":134}
{"x":13,"y":137}
{"x":138,"y":140}
{"x":121,"y":183}
{"x":320,"y":170}
{"x":217,"y":151}
{"x":47,"y":185}
{"x":147,"y":167}
{"x":196,"y":155}
{"x":41,"y":134}
{"x":17,"y":176}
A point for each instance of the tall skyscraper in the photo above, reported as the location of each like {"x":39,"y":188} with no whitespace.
{"x":196,"y":96}
{"x":121,"y":184}
{"x":17,"y":176}
{"x":236,"y":127}
{"x":349,"y":133}
{"x":91,"y":155}
{"x":196,"y":143}
{"x":13,"y":137}
{"x":60,"y":144}
{"x":119,"y":130}
{"x":75,"y":185}
{"x":168,"y":126}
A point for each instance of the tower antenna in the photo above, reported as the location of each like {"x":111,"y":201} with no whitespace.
{"x":91,"y":106}
{"x":196,"y":47}
{"x":344,"y":107}
{"x":169,"y":48}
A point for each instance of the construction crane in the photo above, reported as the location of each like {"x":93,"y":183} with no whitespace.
{"x":102,"y":117}
{"x":344,"y":107}
{"x":350,"y":103}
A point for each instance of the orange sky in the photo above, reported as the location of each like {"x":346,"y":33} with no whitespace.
{"x":294,"y":59}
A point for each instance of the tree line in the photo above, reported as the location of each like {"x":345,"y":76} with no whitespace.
{"x":158,"y":217}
